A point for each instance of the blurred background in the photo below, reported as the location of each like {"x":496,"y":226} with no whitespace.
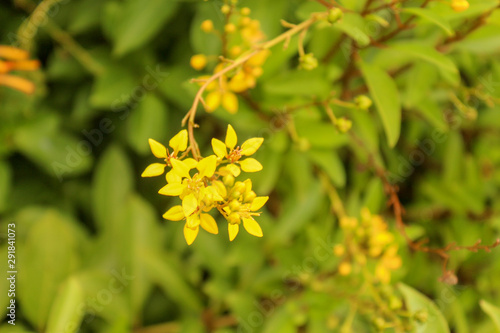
{"x":93,"y":253}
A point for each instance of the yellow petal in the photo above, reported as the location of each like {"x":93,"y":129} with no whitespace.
{"x":189,"y":204}
{"x":17,"y":82}
{"x":172,"y":177}
{"x":250,"y":146}
{"x":259,"y":58}
{"x":252,"y":227}
{"x":233,"y":230}
{"x":219,"y":148}
{"x":174,"y":214}
{"x":174,"y":189}
{"x":206,"y":166}
{"x":154,"y":170}
{"x":190,"y":234}
{"x":190,"y":162}
{"x":248,"y":185}
{"x":212,"y":101}
{"x":234,"y":169}
{"x":193,"y":221}
{"x":250,"y":165}
{"x":221,"y":189}
{"x":157,"y":148}
{"x":231,"y":137}
{"x":237,"y":83}
{"x":208,"y":223}
{"x":214,"y":192}
{"x":179,"y":141}
{"x":230,"y":102}
{"x":180,"y":168}
{"x":258,"y":202}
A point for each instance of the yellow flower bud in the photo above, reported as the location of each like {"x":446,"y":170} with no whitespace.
{"x":250,"y":196}
{"x":245,"y":11}
{"x":234,"y":218}
{"x":459,"y":5}
{"x":230,"y":102}
{"x":225,"y":9}
{"x":212,"y":101}
{"x":234,"y":205}
{"x":235,"y":51}
{"x":244,"y":21}
{"x":229,"y":28}
{"x":339,"y":250}
{"x":198,"y":61}
{"x":228,"y":180}
{"x":207,"y":26}
{"x":345,"y":268}
{"x":259,"y":58}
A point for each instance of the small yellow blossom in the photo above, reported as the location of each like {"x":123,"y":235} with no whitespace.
{"x":198,"y":61}
{"x":178,"y":143}
{"x":228,"y":150}
{"x":207,"y":26}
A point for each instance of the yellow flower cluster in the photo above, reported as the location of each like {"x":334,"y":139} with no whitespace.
{"x":16,"y":60}
{"x":240,"y":35}
{"x":368,"y":239}
{"x":210,"y":183}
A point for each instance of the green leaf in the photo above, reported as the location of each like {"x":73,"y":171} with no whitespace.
{"x":111,"y":185}
{"x":354,"y":26}
{"x":149,"y":120}
{"x":298,"y":83}
{"x":49,"y":254}
{"x":330,"y":162}
{"x":386,"y":97}
{"x":320,"y":134}
{"x":415,"y":301}
{"x":66,"y":312}
{"x":492,"y":311}
{"x":139,"y":22}
{"x":428,"y":54}
{"x":432,"y":17}
{"x":57,"y":153}
{"x":113,"y":88}
{"x":171,"y":281}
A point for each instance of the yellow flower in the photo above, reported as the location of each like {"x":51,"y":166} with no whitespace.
{"x":207,"y":26}
{"x":198,"y":61}
{"x":178,"y":143}
{"x":228,"y":150}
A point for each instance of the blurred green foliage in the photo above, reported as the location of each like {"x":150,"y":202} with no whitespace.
{"x":93,"y":253}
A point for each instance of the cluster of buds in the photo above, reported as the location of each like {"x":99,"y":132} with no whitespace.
{"x":240,"y":34}
{"x":368,"y":239}
{"x":14,"y":59}
{"x":210,"y":183}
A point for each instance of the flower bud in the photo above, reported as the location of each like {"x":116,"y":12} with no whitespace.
{"x":421,"y":316}
{"x":228,"y":180}
{"x":234,"y":218}
{"x":334,"y":15}
{"x":248,"y":197}
{"x":198,"y":61}
{"x":207,"y":26}
{"x":344,"y":124}
{"x":234,"y":205}
{"x":363,"y":102}
{"x":308,"y":62}
{"x":459,"y":5}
